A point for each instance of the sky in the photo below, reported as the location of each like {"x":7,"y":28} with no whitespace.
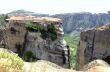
{"x":56,"y":6}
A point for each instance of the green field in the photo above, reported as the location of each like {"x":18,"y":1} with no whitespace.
{"x":72,"y":41}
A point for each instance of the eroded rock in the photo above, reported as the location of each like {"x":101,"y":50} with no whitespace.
{"x":94,"y":44}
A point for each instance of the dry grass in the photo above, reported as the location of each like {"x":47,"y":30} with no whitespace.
{"x":9,"y":69}
{"x":5,"y":66}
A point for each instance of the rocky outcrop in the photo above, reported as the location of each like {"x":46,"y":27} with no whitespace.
{"x":97,"y":66}
{"x":95,"y":63}
{"x":94,"y":44}
{"x":21,"y":40}
{"x":46,"y":49}
{"x":41,"y":65}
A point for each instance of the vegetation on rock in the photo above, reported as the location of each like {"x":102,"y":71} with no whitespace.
{"x":49,"y":32}
{"x":52,"y":32}
{"x":44,"y":34}
{"x":72,"y":41}
{"x":33,"y":27}
{"x":3,"y":19}
{"x":29,"y":56}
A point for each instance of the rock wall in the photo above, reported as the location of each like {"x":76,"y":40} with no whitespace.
{"x":15,"y":35}
{"x":20,"y":40}
{"x":94,"y":44}
{"x":46,"y":49}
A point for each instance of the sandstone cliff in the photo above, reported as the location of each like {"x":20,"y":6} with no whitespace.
{"x":94,"y":44}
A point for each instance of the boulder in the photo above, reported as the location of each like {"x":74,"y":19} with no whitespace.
{"x":95,"y":63}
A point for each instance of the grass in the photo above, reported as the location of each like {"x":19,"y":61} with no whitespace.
{"x":72,"y":41}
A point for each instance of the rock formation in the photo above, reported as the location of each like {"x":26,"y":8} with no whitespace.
{"x":97,"y":66}
{"x":94,"y":44}
{"x":19,"y":39}
{"x":46,"y":49}
{"x":44,"y":66}
{"x":95,"y":63}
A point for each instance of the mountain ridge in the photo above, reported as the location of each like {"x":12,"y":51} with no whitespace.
{"x":74,"y":23}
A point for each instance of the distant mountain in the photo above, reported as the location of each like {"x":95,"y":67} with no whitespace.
{"x":24,"y":12}
{"x":74,"y":23}
{"x":19,"y":12}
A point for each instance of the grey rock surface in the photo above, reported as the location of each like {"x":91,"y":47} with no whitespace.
{"x":94,"y":44}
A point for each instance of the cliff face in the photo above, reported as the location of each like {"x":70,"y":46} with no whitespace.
{"x":94,"y":44}
{"x":55,"y":51}
{"x":20,"y":40}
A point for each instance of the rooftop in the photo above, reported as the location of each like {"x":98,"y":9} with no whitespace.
{"x":34,"y":19}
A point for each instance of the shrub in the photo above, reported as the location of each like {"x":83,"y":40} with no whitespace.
{"x":52,"y":32}
{"x":53,"y":36}
{"x":10,"y":60}
{"x":33,"y":27}
{"x":44,"y":34}
{"x":29,"y":56}
{"x":51,"y":28}
{"x":49,"y":33}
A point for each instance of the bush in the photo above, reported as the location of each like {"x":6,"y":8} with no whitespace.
{"x":52,"y":32}
{"x":44,"y":34}
{"x":10,"y":60}
{"x":29,"y":56}
{"x":53,"y":36}
{"x":33,"y":27}
{"x":49,"y":33}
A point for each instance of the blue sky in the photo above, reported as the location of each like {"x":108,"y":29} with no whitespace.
{"x":55,"y":6}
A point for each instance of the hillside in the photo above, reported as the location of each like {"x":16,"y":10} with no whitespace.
{"x":24,"y":12}
{"x":73,"y":23}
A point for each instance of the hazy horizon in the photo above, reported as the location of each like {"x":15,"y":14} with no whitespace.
{"x":55,"y":6}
